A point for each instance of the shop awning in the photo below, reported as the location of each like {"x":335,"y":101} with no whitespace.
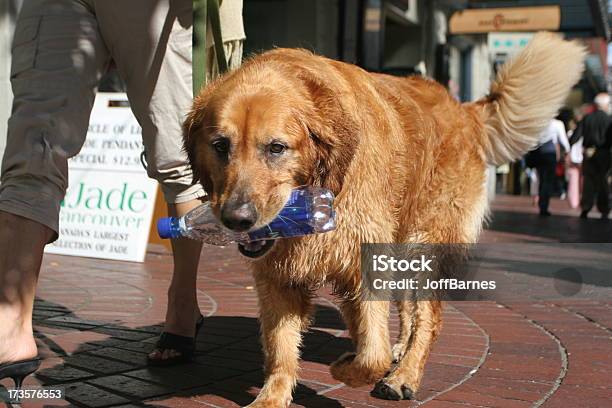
{"x":575,"y":18}
{"x":521,"y":19}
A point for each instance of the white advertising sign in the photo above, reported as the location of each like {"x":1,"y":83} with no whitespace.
{"x":108,"y":208}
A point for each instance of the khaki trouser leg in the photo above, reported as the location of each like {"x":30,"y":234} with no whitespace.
{"x":150,"y":41}
{"x":58,"y":58}
{"x":233,"y":55}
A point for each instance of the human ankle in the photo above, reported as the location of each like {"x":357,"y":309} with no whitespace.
{"x":181,"y":311}
{"x":182,"y":297}
{"x":16,"y":318}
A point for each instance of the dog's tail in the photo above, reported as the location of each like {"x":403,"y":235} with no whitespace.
{"x":527,"y":94}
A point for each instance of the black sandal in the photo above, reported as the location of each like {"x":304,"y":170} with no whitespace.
{"x":19,"y":370}
{"x":183,"y":344}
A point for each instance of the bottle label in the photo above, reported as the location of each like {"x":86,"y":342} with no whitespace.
{"x":292,"y":221}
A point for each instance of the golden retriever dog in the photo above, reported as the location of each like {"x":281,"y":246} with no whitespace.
{"x":407,"y":164}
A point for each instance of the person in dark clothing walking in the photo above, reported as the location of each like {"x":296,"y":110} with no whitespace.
{"x":552,"y":138}
{"x":596,"y":134}
{"x":546,"y":173}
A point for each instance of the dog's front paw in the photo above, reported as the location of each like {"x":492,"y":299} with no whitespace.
{"x":355,"y":374}
{"x":390,"y":391}
{"x":268,"y":403}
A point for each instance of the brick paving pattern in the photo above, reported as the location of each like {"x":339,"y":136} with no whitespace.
{"x":96,"y":320}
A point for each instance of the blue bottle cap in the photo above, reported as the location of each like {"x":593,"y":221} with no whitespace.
{"x":165,"y":229}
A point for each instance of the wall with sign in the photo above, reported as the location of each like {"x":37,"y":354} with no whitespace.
{"x":108,"y":208}
{"x":488,"y":20}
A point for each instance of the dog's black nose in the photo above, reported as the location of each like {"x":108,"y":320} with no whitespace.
{"x":239,"y":217}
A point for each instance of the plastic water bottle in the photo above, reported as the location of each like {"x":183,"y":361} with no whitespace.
{"x":309,"y":210}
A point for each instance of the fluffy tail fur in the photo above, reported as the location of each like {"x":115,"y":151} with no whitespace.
{"x":527,"y":94}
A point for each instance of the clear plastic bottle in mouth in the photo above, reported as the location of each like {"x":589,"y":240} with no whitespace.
{"x":309,"y":210}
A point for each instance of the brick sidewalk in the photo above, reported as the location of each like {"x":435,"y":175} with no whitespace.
{"x":96,"y":320}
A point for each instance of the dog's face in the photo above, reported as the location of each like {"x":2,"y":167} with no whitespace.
{"x":250,"y":154}
{"x":250,"y":144}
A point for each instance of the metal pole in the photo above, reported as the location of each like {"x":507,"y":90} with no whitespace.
{"x":199,"y":45}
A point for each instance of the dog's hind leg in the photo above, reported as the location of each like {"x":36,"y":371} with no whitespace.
{"x":404,"y":380}
{"x":285,"y":312}
{"x":406,"y":310}
{"x":369,"y":329}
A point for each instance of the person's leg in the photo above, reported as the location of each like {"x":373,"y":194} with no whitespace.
{"x":58,"y":57}
{"x":603,"y":198}
{"x":182,"y":293}
{"x":20,"y":258}
{"x":534,"y":186}
{"x":551,"y":176}
{"x":589,"y":187}
{"x":603,"y":188}
{"x":574,"y":186}
{"x":542,"y":198}
{"x":152,"y":49}
{"x":233,"y":56}
{"x":561,"y":183}
{"x":546,"y":175}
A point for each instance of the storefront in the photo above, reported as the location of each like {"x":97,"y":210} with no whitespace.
{"x":503,"y":28}
{"x":395,"y":36}
{"x":485,"y":34}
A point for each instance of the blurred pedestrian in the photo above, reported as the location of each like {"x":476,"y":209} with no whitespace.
{"x":595,"y":132}
{"x":552,"y":139}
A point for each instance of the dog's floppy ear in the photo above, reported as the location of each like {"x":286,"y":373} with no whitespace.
{"x":192,"y":127}
{"x":200,"y":117}
{"x":332,"y":129}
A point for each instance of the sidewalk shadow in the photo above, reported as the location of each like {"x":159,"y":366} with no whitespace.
{"x":228,"y":362}
{"x":561,"y":228}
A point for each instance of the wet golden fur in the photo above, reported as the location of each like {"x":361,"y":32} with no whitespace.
{"x":407,"y":163}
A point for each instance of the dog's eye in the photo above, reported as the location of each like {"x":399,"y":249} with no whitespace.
{"x":277,"y":148}
{"x":221,"y":146}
